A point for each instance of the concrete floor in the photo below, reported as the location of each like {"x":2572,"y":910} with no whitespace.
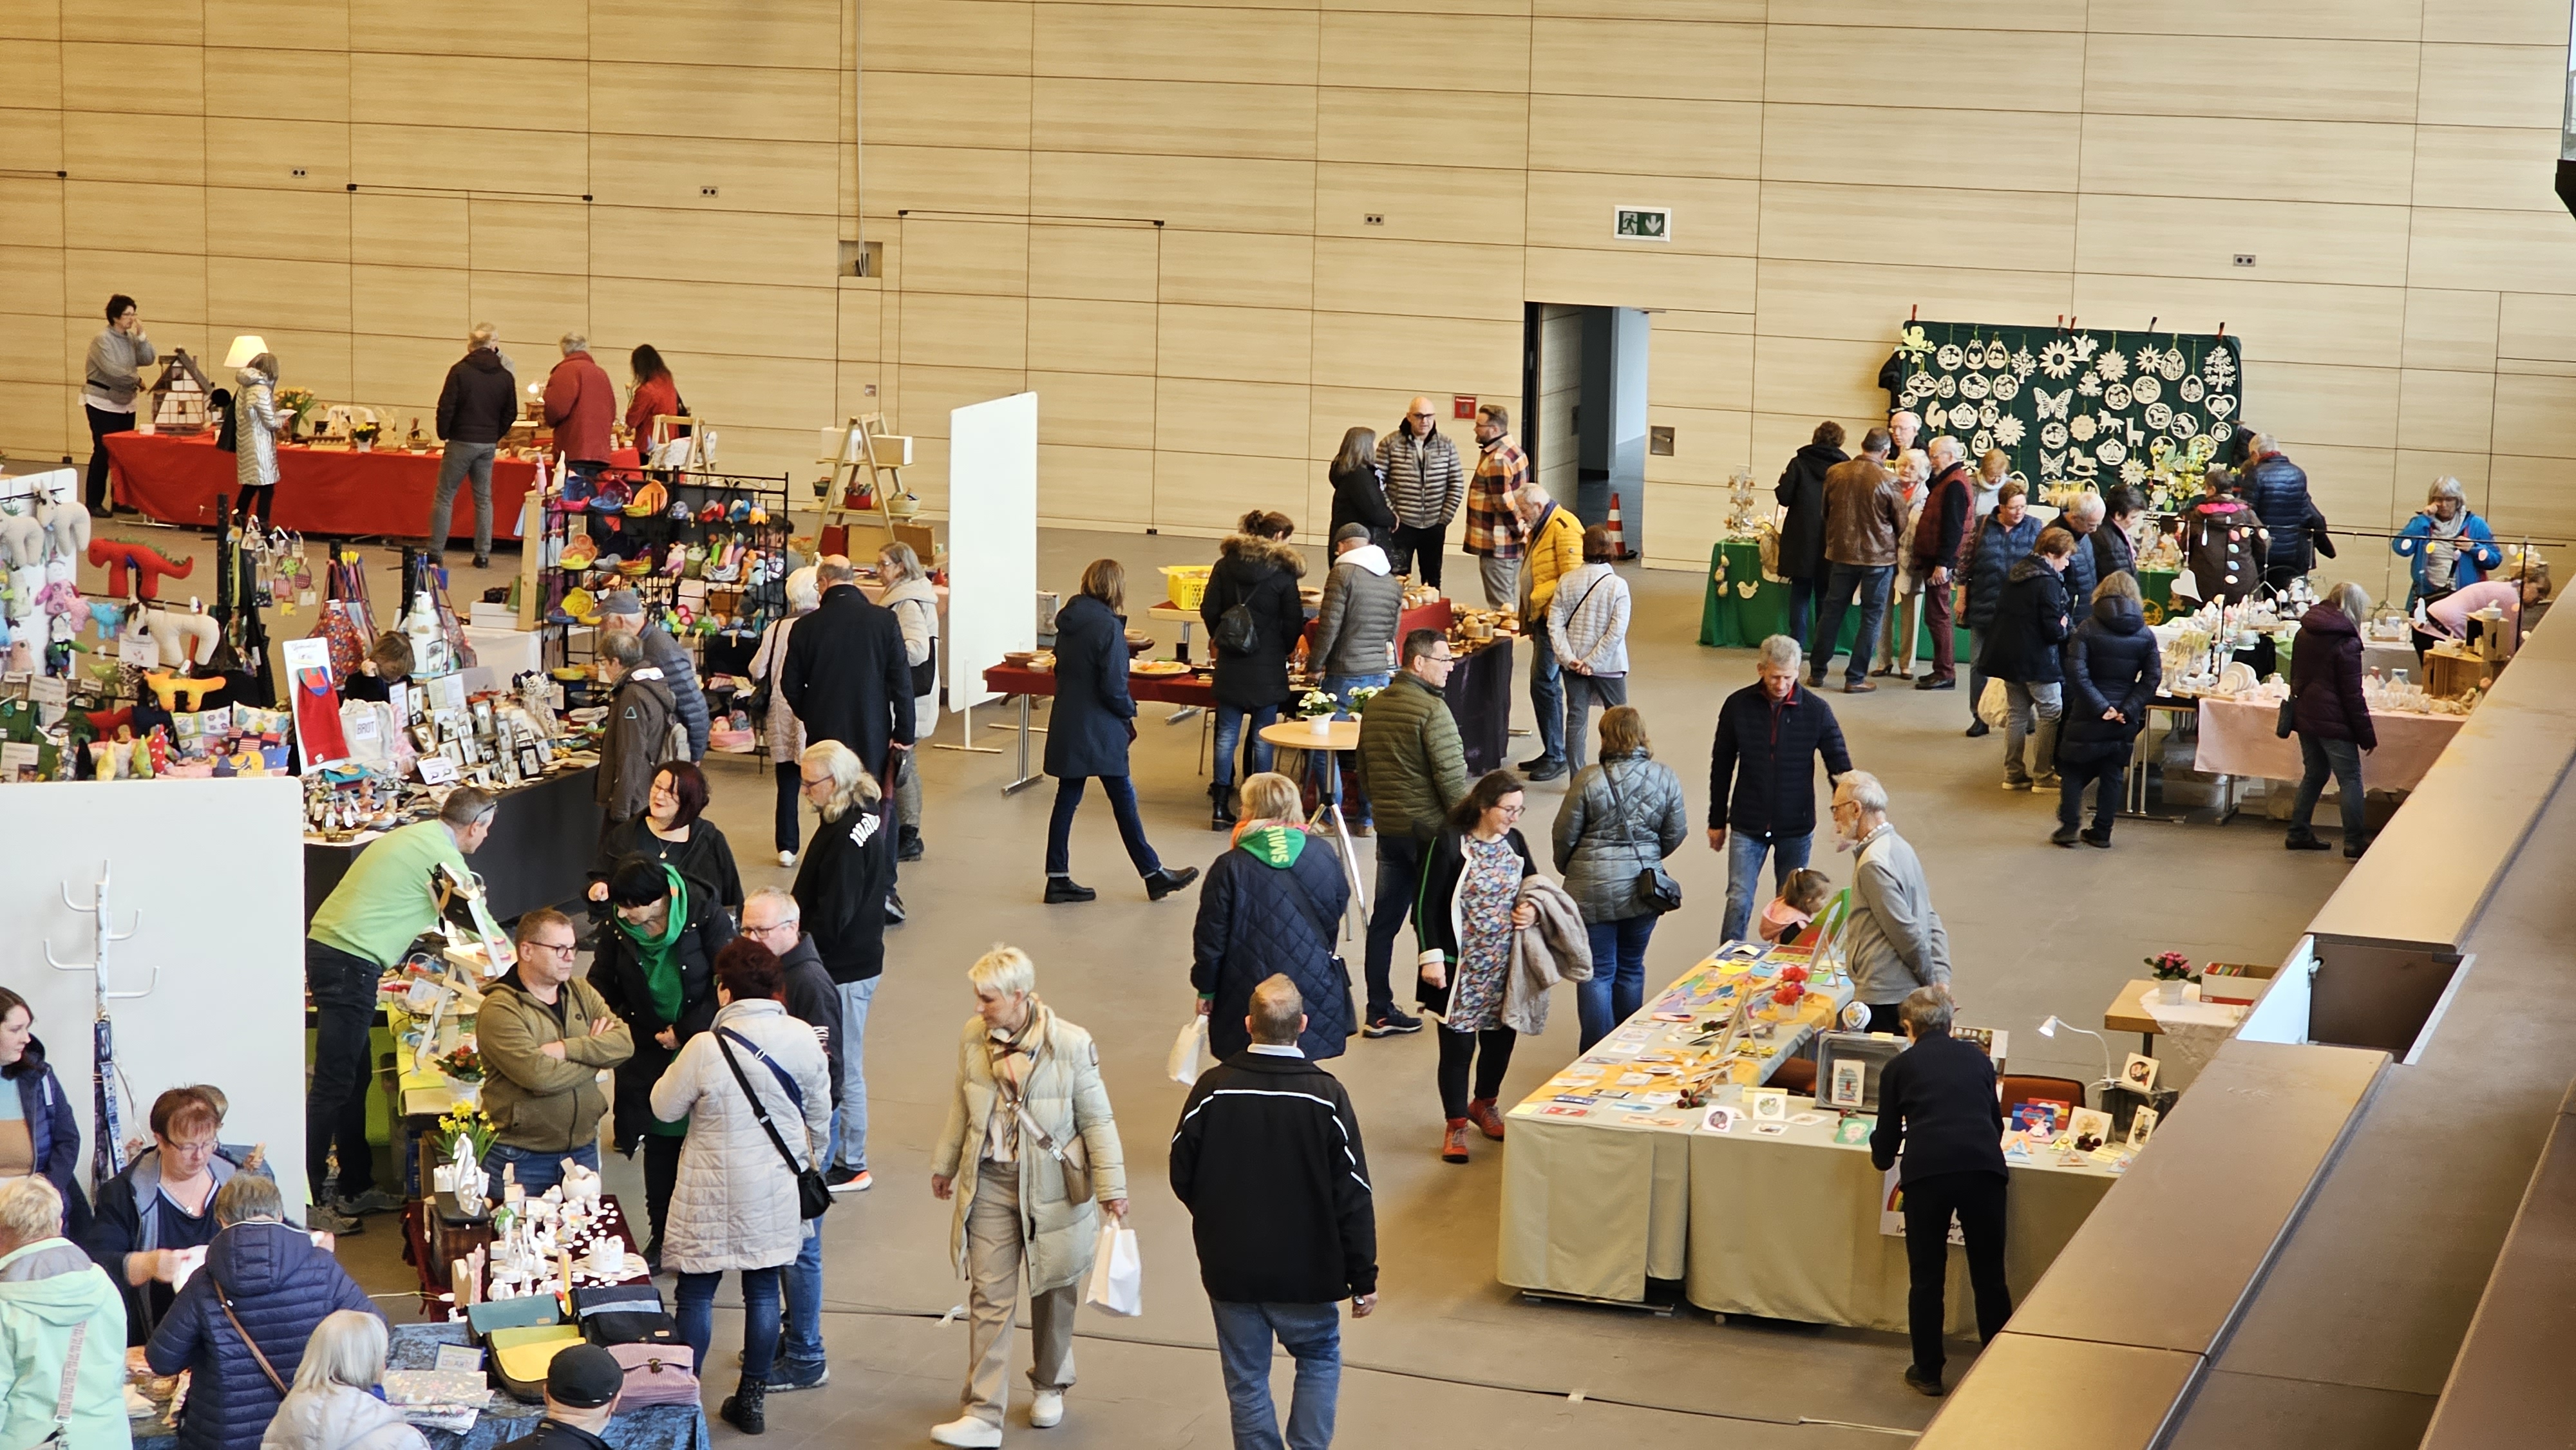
{"x":2034,"y":931}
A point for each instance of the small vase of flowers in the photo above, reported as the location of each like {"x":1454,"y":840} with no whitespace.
{"x":1317,"y":709}
{"x":465,"y":1122}
{"x":296,"y":402}
{"x":463,"y":1069}
{"x":364,"y":435}
{"x":2173,"y":974}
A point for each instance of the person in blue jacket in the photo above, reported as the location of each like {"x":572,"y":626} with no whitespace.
{"x":1089,"y":730}
{"x":39,"y":1126}
{"x":263,"y":1287}
{"x":2003,"y":538}
{"x":2448,"y":547}
{"x":1272,"y":905}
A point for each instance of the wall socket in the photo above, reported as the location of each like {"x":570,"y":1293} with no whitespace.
{"x":706,"y":191}
{"x":2245,"y":259}
{"x":297,"y":173}
{"x":1373,"y":219}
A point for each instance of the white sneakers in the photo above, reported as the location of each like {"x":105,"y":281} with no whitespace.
{"x":1046,"y":1411}
{"x":786,"y":858}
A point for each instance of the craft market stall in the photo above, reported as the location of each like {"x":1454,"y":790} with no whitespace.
{"x":333,"y":488}
{"x":1662,"y":1154}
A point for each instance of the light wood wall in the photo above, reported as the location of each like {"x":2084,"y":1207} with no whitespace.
{"x":1155,"y":215}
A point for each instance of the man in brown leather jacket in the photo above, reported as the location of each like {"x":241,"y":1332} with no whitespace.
{"x":1864,"y":518}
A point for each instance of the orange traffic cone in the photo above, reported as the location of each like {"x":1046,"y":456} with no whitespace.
{"x":1618,"y":535}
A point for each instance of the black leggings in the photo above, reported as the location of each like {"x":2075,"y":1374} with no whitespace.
{"x":791,"y":789}
{"x":1491,"y":1050}
{"x":661,"y":1179}
{"x":255,"y":503}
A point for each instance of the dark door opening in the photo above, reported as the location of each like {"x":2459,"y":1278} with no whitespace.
{"x":1584,"y":385}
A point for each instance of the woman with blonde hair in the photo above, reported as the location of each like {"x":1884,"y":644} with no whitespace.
{"x":1089,"y":731}
{"x":332,"y":1404}
{"x":1031,"y":1159}
{"x":1272,"y":903}
{"x":256,"y":422}
{"x":1359,"y":489}
{"x":786,"y":733}
{"x":840,"y":892}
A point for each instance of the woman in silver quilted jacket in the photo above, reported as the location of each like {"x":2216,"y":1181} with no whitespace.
{"x":736,"y":1206}
{"x":1619,"y":818}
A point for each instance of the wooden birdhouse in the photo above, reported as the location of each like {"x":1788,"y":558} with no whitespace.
{"x":179,"y":398}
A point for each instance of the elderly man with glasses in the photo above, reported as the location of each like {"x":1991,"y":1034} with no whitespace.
{"x":547,"y":1037}
{"x":366,"y":926}
{"x":1425,"y":485}
{"x":772,"y":918}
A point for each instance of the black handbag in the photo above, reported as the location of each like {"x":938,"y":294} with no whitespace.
{"x":1655,"y":888}
{"x":623,"y":1314}
{"x":813,"y":1195}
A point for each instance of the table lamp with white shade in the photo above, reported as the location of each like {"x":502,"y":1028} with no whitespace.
{"x":2056,"y":1024}
{"x":245,"y":347}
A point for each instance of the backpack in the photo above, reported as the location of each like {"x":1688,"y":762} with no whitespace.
{"x":1235,"y":631}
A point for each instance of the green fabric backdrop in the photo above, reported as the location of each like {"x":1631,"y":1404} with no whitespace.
{"x":2066,"y":405}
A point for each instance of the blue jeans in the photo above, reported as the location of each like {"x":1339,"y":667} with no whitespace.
{"x":535,"y":1171}
{"x":1976,"y":670}
{"x":850,"y":1126}
{"x":1872,"y":586}
{"x":1744,"y":853}
{"x":1618,"y":985}
{"x":800,"y":1348}
{"x":696,"y":1318}
{"x":1122,"y":803}
{"x":1802,"y":610}
{"x":1229,"y":736}
{"x":1399,"y":878}
{"x":1312,"y":1335}
{"x":1355,"y":801}
{"x":1547,"y":696}
{"x":2341,"y":759}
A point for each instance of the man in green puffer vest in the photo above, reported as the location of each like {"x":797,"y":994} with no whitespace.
{"x":1414,"y":769}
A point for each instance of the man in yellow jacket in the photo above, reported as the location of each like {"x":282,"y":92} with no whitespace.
{"x":1554,"y":550}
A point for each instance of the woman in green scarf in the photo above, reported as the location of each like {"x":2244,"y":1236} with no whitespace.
{"x":655,"y":967}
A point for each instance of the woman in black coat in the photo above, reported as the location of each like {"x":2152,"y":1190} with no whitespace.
{"x":674,"y":830}
{"x":2332,"y":715}
{"x":1089,"y":730}
{"x":1258,"y":570}
{"x":2112,"y":669}
{"x":1359,"y":489}
{"x":1801,"y":491}
{"x":2023,"y":649}
{"x":655,"y":968}
{"x":1272,"y":904}
{"x":1464,"y":916}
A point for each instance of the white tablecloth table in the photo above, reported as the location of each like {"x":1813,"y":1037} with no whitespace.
{"x":2236,"y":738}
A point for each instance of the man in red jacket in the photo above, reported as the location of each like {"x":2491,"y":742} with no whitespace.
{"x":581,"y":406}
{"x":1938,"y":538}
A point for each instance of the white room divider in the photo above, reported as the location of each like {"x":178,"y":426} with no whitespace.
{"x":992,"y":542}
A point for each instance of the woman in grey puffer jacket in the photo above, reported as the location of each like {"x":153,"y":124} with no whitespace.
{"x":1620,"y":817}
{"x":255,"y":425}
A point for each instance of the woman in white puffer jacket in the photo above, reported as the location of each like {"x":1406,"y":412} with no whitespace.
{"x":915,"y":602}
{"x":736,"y":1205}
{"x":786,"y":733}
{"x":332,"y":1405}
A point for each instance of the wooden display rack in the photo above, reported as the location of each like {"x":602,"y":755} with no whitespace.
{"x":870,"y":458}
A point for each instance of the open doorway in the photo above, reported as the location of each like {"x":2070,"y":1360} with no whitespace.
{"x":1584,"y":374}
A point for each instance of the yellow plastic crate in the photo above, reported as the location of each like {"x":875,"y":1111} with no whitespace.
{"x":1186,"y":584}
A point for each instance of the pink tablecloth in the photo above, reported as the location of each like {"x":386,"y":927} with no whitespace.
{"x":2236,"y":739}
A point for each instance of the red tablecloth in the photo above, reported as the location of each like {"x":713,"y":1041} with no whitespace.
{"x":1168,"y":689}
{"x":319,"y":490}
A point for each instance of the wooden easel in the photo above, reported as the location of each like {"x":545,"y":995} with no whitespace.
{"x":866,"y":457}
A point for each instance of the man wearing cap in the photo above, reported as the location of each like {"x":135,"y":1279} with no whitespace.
{"x":582,"y":1386}
{"x":622,"y":611}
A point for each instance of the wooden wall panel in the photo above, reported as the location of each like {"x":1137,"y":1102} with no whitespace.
{"x":2451,"y":329}
{"x":1233,"y":269}
{"x":1173,"y":118}
{"x":31,"y":282}
{"x":1450,"y":128}
{"x":1154,"y":43}
{"x":1652,"y":135}
{"x":1100,"y":263}
{"x":2491,"y":85}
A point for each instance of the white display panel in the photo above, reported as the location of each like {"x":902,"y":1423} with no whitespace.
{"x":216,"y":867}
{"x":992,"y":539}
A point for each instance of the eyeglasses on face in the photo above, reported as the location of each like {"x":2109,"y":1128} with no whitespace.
{"x":561,"y":949}
{"x":1426,"y":415}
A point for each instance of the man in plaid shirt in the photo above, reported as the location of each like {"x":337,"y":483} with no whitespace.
{"x":1494,"y":530}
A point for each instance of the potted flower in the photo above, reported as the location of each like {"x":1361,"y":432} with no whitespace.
{"x":1317,"y":709}
{"x":2173,"y":972}
{"x":463,"y":1069}
{"x":298,"y":402}
{"x":469,"y":1123}
{"x":1362,"y":695}
{"x":364,"y":435}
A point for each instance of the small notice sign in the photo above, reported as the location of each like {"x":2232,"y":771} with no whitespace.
{"x":1642,"y":223}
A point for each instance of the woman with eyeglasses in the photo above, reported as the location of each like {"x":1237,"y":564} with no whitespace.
{"x":1464,"y":916}
{"x":161,"y":1205}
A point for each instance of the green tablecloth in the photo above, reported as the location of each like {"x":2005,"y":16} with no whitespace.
{"x":2157,"y":586}
{"x":1731,"y":618}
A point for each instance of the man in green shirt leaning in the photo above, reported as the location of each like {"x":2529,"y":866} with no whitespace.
{"x":365,"y":927}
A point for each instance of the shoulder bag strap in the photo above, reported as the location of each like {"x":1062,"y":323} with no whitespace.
{"x":63,"y":1401}
{"x":759,"y":1109}
{"x":1315,"y":913}
{"x":226,"y":1305}
{"x":795,"y":1094}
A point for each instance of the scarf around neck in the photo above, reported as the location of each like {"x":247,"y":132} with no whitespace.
{"x":2441,"y":564}
{"x":660,"y":960}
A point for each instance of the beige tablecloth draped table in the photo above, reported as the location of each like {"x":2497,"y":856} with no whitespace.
{"x":2236,"y":739}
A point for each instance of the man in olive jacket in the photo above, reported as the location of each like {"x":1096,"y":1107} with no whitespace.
{"x":546,"y":1036}
{"x":1414,"y":769}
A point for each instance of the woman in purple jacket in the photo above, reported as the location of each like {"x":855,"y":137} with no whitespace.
{"x":2332,"y":716}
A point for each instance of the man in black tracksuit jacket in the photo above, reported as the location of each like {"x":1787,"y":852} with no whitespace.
{"x":1762,"y":778}
{"x":1268,"y":1159}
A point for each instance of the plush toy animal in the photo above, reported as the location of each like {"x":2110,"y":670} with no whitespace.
{"x":24,"y":535}
{"x":149,"y":565}
{"x":184,"y":638}
{"x":68,"y":523}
